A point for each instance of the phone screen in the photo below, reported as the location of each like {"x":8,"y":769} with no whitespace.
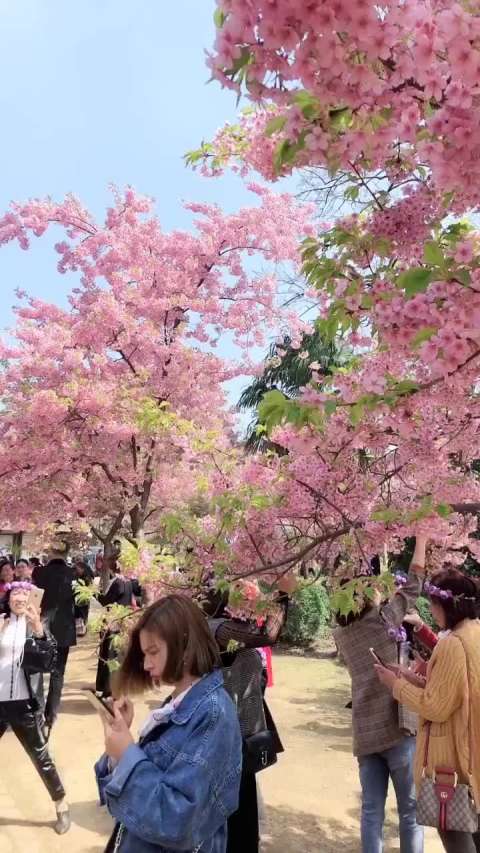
{"x":99,"y":704}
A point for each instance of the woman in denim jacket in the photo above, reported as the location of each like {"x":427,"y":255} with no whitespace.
{"x":175,"y":789}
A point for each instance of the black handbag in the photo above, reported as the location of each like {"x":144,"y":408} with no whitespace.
{"x":259,"y":751}
{"x":39,"y":655}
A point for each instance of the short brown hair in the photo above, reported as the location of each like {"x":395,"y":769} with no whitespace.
{"x":190,"y":644}
{"x":464,"y":590}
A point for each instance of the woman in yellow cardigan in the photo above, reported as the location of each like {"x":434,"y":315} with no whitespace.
{"x":443,"y":700}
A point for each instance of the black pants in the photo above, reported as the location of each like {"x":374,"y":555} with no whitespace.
{"x":82,"y":611}
{"x":243,"y":831}
{"x":55,"y":688}
{"x":461,"y":842}
{"x":25,"y":725}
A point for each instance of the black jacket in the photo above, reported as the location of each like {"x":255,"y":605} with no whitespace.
{"x":121,"y":591}
{"x":58,"y":604}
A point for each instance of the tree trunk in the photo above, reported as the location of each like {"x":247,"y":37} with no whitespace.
{"x":108,"y":553}
{"x":137,"y":521}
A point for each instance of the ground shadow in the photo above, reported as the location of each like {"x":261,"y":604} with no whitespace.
{"x":78,"y":685}
{"x":289,"y":830}
{"x":76,"y":706}
{"x":329,"y":727}
{"x":391,"y":831}
{"x":292,"y":831}
{"x":299,"y":652}
{"x":7,"y":821}
{"x":330,"y":697}
{"x":90,"y":815}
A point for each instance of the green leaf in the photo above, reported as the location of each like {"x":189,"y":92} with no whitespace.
{"x":356,"y":413}
{"x":275,"y":124}
{"x":172,"y":525}
{"x":282,"y":154}
{"x":330,"y":407}
{"x":424,"y":335}
{"x":457,"y":231}
{"x":433,"y":254}
{"x":463,"y":275}
{"x":260,"y":501}
{"x":443,"y":510}
{"x":383,"y":247}
{"x":271,"y":410}
{"x":448,"y":198}
{"x":415,"y":280}
{"x":405,"y":386}
{"x":308,"y":103}
{"x":341,"y":119}
{"x":219,"y":18}
{"x":352,"y":193}
{"x":386,"y":515}
{"x":367,"y":301}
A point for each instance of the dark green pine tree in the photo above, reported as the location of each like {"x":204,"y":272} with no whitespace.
{"x":288,"y":375}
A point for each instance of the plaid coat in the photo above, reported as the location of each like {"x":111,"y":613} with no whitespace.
{"x":375,"y":713}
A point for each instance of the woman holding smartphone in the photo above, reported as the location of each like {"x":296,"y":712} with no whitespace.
{"x":18,"y":706}
{"x":383,"y":737}
{"x":176,"y":787}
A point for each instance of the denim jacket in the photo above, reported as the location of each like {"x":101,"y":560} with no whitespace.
{"x":175,"y":789}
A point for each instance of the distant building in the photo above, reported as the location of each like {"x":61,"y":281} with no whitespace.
{"x":17,"y":542}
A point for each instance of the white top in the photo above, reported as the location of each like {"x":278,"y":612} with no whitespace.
{"x":13,"y":684}
{"x":162,"y":714}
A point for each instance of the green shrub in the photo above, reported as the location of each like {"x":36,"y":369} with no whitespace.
{"x":308,"y":615}
{"x":423,"y":607}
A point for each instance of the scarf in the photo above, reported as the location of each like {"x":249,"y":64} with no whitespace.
{"x":162,"y":714}
{"x":12,"y":643}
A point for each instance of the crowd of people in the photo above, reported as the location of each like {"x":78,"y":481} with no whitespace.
{"x":417,"y":722}
{"x":190,"y":782}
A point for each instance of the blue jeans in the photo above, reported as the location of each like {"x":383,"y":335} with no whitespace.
{"x":375,"y":772}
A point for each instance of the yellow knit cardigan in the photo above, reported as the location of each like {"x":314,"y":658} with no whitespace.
{"x":444,"y":701}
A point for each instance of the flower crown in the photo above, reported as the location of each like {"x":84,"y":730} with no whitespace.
{"x":11,"y":587}
{"x":436,"y":592}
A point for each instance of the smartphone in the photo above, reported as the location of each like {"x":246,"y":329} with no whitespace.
{"x":35,"y":597}
{"x":100,"y":705}
{"x":377,"y":657}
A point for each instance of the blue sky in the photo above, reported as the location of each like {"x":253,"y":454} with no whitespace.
{"x":100,"y":92}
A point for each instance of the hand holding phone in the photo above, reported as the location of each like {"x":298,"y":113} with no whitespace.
{"x":35,"y":597}
{"x":101,"y":705}
{"x":377,"y":658}
{"x":125,"y":706}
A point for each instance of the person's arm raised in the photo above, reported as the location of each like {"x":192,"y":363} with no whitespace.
{"x":417,"y":564}
{"x":404,"y":599}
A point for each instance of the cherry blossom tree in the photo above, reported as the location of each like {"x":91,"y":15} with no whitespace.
{"x":111,"y":406}
{"x":356,"y":86}
{"x":386,"y":100}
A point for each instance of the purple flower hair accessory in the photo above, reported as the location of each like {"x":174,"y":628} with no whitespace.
{"x":436,"y":592}
{"x":11,"y":587}
{"x":400,"y":580}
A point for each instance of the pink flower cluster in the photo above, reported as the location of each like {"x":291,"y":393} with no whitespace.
{"x":392,"y":82}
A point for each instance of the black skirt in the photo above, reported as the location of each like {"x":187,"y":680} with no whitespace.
{"x":243,"y":831}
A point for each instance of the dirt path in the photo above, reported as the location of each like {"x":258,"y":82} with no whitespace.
{"x":311,"y":796}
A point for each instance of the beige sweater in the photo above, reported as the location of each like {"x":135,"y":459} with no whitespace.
{"x":444,"y":701}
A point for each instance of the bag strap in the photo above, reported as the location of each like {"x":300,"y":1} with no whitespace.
{"x":427,"y":744}
{"x":470,"y":715}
